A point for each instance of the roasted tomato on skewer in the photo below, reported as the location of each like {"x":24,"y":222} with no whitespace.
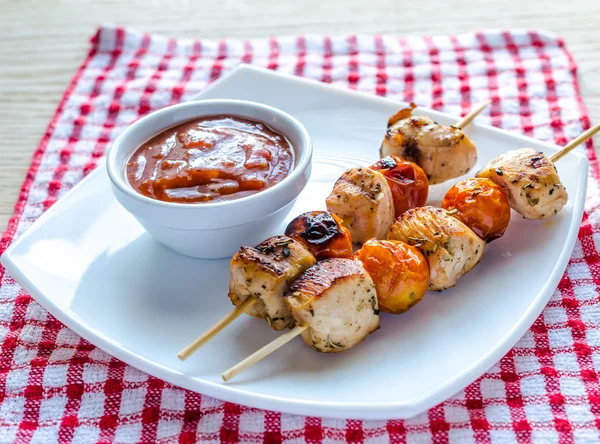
{"x":481,"y":205}
{"x":406,"y":179}
{"x":399,"y":271}
{"x":322,"y":233}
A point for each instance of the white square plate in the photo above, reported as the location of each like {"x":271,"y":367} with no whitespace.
{"x":93,"y":267}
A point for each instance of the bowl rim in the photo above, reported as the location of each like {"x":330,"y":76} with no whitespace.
{"x":303,"y":159}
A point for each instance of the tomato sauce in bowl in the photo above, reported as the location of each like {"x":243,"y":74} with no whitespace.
{"x":210,"y":159}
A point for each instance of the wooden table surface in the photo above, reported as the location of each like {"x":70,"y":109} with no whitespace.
{"x":43,"y":42}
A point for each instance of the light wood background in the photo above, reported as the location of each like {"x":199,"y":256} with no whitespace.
{"x":43,"y":42}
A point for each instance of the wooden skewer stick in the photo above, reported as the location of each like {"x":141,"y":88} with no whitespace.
{"x":574,"y":143}
{"x":472,"y":114}
{"x":263,"y":352}
{"x":285,"y":338}
{"x":211,"y":332}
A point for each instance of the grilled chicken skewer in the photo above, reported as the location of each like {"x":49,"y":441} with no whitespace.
{"x":530,"y":180}
{"x":260,"y":275}
{"x":259,"y":278}
{"x":335,"y":307}
{"x":444,"y":152}
{"x":327,"y":299}
{"x":265,"y":273}
{"x":369,"y":199}
{"x":362,"y":198}
{"x":451,"y":248}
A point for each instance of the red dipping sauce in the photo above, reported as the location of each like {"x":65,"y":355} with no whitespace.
{"x":211,"y":159}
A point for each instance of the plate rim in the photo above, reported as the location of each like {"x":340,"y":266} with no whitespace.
{"x":359,"y":410}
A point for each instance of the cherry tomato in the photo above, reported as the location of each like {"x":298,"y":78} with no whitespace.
{"x":481,"y":205}
{"x":400,"y":273}
{"x":322,"y":233}
{"x":407,"y":181}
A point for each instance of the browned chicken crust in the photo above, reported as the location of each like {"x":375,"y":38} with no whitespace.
{"x":451,"y":248}
{"x":337,"y":300}
{"x":363,"y":200}
{"x":444,"y":152}
{"x":530,"y":181}
{"x":265,"y":271}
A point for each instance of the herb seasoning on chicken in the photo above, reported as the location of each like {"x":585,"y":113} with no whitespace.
{"x":530,"y":182}
{"x":265,"y":271}
{"x":363,"y":200}
{"x":336,"y":300}
{"x":451,"y":248}
{"x":444,"y":152}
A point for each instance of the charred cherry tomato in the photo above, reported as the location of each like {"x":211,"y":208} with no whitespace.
{"x":407,"y":181}
{"x":481,"y":205}
{"x":322,"y":233}
{"x":400,"y":273}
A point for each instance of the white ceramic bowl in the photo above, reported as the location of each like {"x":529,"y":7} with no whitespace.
{"x":211,"y":230}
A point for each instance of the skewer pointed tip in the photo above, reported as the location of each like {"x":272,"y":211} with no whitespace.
{"x":576,"y":142}
{"x":472,"y":114}
{"x":263,"y":352}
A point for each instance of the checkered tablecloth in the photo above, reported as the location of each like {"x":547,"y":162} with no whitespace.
{"x":55,"y":386}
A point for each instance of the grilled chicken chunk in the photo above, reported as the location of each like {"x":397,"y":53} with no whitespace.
{"x":443,"y":152}
{"x":529,"y":180}
{"x":265,"y":271}
{"x":337,"y":300}
{"x":451,"y":248}
{"x":363,"y":200}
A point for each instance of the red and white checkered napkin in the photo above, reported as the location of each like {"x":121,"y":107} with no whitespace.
{"x":56,"y":386}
